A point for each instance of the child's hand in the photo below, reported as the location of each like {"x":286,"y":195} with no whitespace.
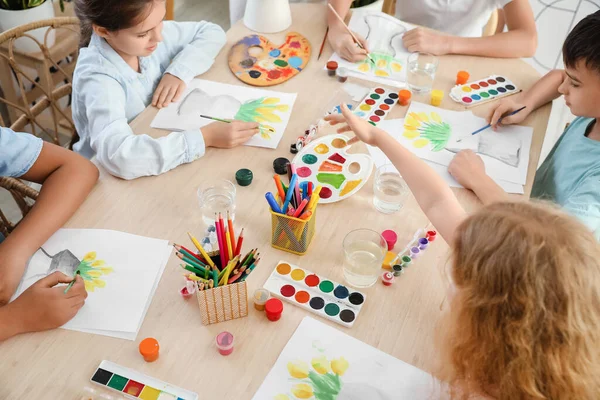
{"x":44,"y":306}
{"x":427,"y":41}
{"x":345,"y":47}
{"x":228,"y":135}
{"x":361,"y":128}
{"x":467,"y":168}
{"x":169,"y":90}
{"x":504,"y":107}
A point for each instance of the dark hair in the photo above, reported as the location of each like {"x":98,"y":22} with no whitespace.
{"x":110,"y":14}
{"x":583,"y":43}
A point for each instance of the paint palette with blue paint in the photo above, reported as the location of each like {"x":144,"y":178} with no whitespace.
{"x":376,"y":105}
{"x":483,"y":90}
{"x":258,"y":62}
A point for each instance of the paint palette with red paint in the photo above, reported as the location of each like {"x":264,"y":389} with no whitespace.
{"x":376,"y":105}
{"x":483,"y":90}
{"x":325,"y":162}
{"x":316,"y":294}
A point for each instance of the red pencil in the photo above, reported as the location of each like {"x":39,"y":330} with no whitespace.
{"x":220,"y":243}
{"x":179,"y":247}
{"x":300,"y":208}
{"x":231,"y":231}
{"x":238,"y":248}
{"x":223,"y":239}
{"x":310,"y":188}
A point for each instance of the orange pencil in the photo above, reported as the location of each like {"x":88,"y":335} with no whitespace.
{"x":238,"y":248}
{"x":280,"y":190}
{"x":231,"y":230}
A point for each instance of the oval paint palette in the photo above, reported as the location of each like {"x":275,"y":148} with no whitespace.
{"x":483,"y":90}
{"x":325,"y":162}
{"x":315,"y":293}
{"x":375,"y":106}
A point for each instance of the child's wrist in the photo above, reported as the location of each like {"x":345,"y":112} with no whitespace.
{"x":12,"y":323}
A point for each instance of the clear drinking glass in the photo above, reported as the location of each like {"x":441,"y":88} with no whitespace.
{"x":364,"y":251}
{"x":214,"y":196}
{"x":421,"y":72}
{"x":389,"y":189}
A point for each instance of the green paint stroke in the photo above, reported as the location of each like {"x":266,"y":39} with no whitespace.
{"x":438,"y":133}
{"x":326,"y":387}
{"x":334,"y":180}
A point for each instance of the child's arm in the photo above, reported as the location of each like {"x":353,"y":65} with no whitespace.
{"x":433,"y":194}
{"x":339,"y":38}
{"x":66,"y":180}
{"x":519,"y":41}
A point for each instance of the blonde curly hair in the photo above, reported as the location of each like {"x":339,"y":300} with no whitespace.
{"x":525,"y":320}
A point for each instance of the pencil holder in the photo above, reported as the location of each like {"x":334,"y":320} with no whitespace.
{"x":223,"y":303}
{"x":290,"y":234}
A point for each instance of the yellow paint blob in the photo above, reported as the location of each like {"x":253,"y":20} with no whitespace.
{"x":298,"y":274}
{"x":381,"y":72}
{"x":364,"y":67}
{"x":284,"y":269}
{"x":410,"y":134}
{"x":338,"y":143}
{"x":420,"y":143}
{"x":381,"y":64}
{"x":466,"y":89}
{"x":322,"y":149}
{"x":396,"y":67}
{"x":365,"y":107}
{"x":350,"y":186}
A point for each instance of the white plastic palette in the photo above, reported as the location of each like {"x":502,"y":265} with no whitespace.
{"x":483,"y":90}
{"x":376,"y":105}
{"x":325,"y":162}
{"x":315,"y":294}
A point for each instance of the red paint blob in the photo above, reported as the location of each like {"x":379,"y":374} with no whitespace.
{"x":374,"y":118}
{"x":288,"y":291}
{"x":379,"y":91}
{"x":274,"y":74}
{"x":312,"y":280}
{"x":475,"y":86}
{"x":370,"y":102}
{"x":467,"y":99}
{"x":483,"y":84}
{"x":492,"y":82}
{"x":384,"y":107}
{"x":325,"y":193}
{"x":295,"y":45}
{"x":303,"y":172}
{"x":336,"y":157}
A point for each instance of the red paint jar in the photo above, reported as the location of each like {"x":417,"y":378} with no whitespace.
{"x":225,"y":343}
{"x":332,"y":66}
{"x":430,"y":235}
{"x":274,"y":308}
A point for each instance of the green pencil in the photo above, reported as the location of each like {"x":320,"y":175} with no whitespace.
{"x":72,"y":282}
{"x":192,"y":269}
{"x":215,"y":277}
{"x":227,"y":121}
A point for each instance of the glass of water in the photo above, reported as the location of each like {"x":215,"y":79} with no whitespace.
{"x":216,"y":196}
{"x":389,"y":188}
{"x":421,"y":72}
{"x":364,"y":251}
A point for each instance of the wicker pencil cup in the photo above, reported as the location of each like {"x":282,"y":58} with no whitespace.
{"x":222,"y":303}
{"x":290,"y":234}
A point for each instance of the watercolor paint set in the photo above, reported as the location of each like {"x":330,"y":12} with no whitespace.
{"x":376,"y":105}
{"x":481,"y":91}
{"x":134,"y":385}
{"x":321,"y":296}
{"x":326,"y":163}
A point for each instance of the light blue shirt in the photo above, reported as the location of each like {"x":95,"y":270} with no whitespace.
{"x":108,"y":94}
{"x":570,"y":175}
{"x":18,"y":152}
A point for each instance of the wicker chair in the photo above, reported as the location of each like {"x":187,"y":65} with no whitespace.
{"x":23,"y":196}
{"x":40,"y":103}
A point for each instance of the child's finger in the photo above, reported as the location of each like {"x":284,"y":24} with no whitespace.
{"x":344,"y":128}
{"x":179,"y":92}
{"x":163,"y":95}
{"x":355,"y":139}
{"x":156,"y":94}
{"x":498,"y":112}
{"x":334,"y":119}
{"x":54,"y":279}
{"x":243,"y":126}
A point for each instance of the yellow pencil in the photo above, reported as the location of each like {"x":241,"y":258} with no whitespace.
{"x":225,"y":278}
{"x":201,"y":250}
{"x":228,"y":240}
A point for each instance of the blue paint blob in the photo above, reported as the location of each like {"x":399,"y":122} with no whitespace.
{"x":275,"y":53}
{"x":341,"y":292}
{"x":360,"y":113}
{"x":295,"y":62}
{"x":252,"y":40}
{"x":501,"y":90}
{"x":389,"y":101}
{"x":476,"y":97}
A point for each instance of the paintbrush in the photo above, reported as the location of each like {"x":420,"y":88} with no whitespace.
{"x":228,"y":122}
{"x":349,"y":31}
{"x":489,"y":125}
{"x":72,"y":282}
{"x":323,"y":44}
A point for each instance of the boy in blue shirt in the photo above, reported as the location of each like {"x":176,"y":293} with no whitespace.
{"x":570,"y":175}
{"x":67,"y":178}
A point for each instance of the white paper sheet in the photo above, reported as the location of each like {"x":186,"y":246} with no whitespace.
{"x":354,"y":370}
{"x":123,"y":274}
{"x":384,"y":37}
{"x":394,"y":128}
{"x":220,"y":100}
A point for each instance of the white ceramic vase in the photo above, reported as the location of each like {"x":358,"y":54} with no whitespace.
{"x":268,"y":16}
{"x":10,"y":19}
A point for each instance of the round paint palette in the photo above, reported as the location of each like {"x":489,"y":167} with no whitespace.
{"x":483,"y":90}
{"x":314,"y":293}
{"x":325,"y":162}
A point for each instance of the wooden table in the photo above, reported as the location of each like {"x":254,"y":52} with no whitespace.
{"x":399,"y":320}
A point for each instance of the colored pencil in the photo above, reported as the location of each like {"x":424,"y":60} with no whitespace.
{"x":314,"y":199}
{"x":349,"y":31}
{"x":191,"y":255}
{"x":323,"y":43}
{"x":201,"y":250}
{"x":215,"y":277}
{"x":238,"y":248}
{"x":190,"y":261}
{"x":306,"y":215}
{"x":231,"y":231}
{"x":70,"y":285}
{"x":190,"y":268}
{"x":237,"y":275}
{"x":288,"y":196}
{"x":310,"y":189}
{"x":279,"y":187}
{"x":179,"y":248}
{"x":229,"y":250}
{"x":300,"y":208}
{"x":220,"y":243}
{"x":489,"y":125}
{"x":227,"y":121}
{"x":248,"y":270}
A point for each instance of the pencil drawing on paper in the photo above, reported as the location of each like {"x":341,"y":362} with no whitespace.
{"x":262,"y":110}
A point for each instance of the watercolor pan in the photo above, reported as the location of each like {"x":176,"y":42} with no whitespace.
{"x":483,"y":90}
{"x":319,"y":295}
{"x":325,"y":162}
{"x":134,"y":385}
{"x":376,"y":105}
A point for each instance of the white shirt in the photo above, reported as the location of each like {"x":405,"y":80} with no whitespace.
{"x":465,"y":18}
{"x":108,"y":94}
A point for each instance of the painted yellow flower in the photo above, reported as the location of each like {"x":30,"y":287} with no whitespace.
{"x":281,"y":397}
{"x":91,"y":270}
{"x":270,"y":100}
{"x":339,"y":366}
{"x":98,"y":263}
{"x":89,"y":256}
{"x":364,"y":67}
{"x":426,"y":129}
{"x":320,"y":364}
{"x":298,"y":369}
{"x":302,"y":391}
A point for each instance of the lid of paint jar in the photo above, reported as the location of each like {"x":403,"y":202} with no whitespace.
{"x":244,"y":177}
{"x":261,"y":296}
{"x":149,"y":347}
{"x":332,"y":65}
{"x":274,"y":306}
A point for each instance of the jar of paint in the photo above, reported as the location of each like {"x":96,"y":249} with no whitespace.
{"x":390,"y":238}
{"x":462,"y":77}
{"x":273,"y":308}
{"x":404,"y":97}
{"x":149,"y":349}
{"x":436,"y":97}
{"x":397,"y":269}
{"x":225,"y":343}
{"x":387,"y":278}
{"x":260,"y":298}
{"x":342,"y":75}
{"x":414,"y":252}
{"x":406,"y":260}
{"x":332,"y":66}
{"x":431,"y":235}
{"x":423,"y":243}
